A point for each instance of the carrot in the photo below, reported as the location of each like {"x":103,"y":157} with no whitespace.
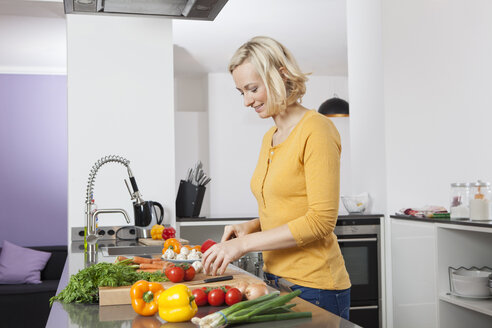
{"x":151,"y":266}
{"x":121,"y":258}
{"x":148,"y":270}
{"x":140,"y":260}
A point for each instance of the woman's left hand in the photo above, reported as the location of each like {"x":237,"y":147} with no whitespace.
{"x":217,"y":258}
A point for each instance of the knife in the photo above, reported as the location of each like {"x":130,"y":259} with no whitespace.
{"x":206,"y":281}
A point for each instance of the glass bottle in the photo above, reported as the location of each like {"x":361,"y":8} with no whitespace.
{"x":480,"y":197}
{"x":459,"y":200}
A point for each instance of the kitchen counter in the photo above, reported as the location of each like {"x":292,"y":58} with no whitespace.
{"x":92,"y":315}
{"x":462,"y":222}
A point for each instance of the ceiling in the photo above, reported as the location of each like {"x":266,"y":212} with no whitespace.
{"x":32,"y":34}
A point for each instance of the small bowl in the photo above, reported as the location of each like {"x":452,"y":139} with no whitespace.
{"x":471,"y":282}
{"x":356,"y":204}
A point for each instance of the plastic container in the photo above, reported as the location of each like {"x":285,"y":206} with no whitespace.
{"x":459,"y":201}
{"x":480,"y":200}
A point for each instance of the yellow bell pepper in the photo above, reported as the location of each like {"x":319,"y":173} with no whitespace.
{"x":156,"y":231}
{"x":177,"y":304}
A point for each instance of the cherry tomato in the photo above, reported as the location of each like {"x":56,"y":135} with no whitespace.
{"x":216,"y":297}
{"x":233,"y":296}
{"x":175,"y":273}
{"x":189,"y":273}
{"x":200,"y":297}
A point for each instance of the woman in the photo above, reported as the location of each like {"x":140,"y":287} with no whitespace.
{"x":296,"y":183}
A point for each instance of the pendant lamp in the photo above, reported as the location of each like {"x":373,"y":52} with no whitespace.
{"x":334,"y":107}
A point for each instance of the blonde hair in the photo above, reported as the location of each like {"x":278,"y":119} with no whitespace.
{"x":268,"y":56}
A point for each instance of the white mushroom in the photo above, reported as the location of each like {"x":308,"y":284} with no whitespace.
{"x":197,"y":265}
{"x":181,"y":256}
{"x":194,"y":256}
{"x":168,"y":254}
{"x":185,"y":251}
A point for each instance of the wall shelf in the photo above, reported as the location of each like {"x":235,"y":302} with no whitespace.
{"x":483,"y":306}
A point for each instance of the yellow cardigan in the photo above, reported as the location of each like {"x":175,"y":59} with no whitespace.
{"x":298,"y":183}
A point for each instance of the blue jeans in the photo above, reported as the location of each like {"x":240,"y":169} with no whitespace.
{"x":334,"y":301}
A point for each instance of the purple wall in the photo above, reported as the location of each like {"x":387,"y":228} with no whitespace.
{"x":33,"y":159}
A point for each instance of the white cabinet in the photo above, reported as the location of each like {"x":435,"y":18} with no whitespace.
{"x":414,"y":260}
{"x":422,"y":252}
{"x":467,"y":246}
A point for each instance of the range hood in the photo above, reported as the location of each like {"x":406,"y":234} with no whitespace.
{"x":182,"y":9}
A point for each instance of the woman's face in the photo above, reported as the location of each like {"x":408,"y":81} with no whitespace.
{"x":251,"y":87}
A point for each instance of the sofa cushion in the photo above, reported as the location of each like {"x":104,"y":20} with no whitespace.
{"x":19,"y":265}
{"x":45,"y":286}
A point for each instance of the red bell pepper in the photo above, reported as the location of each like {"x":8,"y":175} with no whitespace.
{"x":207,"y":244}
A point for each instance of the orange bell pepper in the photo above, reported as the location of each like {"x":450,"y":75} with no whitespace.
{"x":144,"y":296}
{"x":172,"y":243}
{"x":146,"y":322}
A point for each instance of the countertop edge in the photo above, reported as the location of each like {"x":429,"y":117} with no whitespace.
{"x":444,"y":221}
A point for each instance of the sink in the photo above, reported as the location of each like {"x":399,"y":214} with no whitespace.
{"x":130,"y":250}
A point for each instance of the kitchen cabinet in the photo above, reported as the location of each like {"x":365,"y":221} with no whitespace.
{"x":422,"y":252}
{"x":414,"y":259}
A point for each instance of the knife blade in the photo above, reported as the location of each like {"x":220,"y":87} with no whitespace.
{"x":209,"y":280}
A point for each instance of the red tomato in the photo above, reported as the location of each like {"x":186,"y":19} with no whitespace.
{"x":233,"y":296}
{"x":216,"y":297}
{"x":200,"y":297}
{"x":175,"y":274}
{"x":189,"y":273}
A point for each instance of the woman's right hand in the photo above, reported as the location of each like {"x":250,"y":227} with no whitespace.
{"x":239,"y":230}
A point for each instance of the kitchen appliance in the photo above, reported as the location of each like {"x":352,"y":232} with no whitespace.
{"x":359,"y":241}
{"x":145,"y":213}
{"x":182,"y":9}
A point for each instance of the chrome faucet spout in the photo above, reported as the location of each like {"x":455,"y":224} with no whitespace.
{"x":92,"y":235}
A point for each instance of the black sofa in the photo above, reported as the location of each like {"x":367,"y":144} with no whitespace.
{"x":27,"y":305}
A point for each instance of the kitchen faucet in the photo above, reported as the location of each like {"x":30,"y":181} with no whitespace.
{"x":90,"y":235}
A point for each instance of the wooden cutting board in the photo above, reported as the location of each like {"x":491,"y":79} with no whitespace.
{"x":121,"y":295}
{"x":157,"y":242}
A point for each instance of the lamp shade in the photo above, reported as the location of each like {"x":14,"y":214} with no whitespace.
{"x":334,"y":107}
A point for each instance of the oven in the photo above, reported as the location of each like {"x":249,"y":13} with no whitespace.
{"x":359,"y":241}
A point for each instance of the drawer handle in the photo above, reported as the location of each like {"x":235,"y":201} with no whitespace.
{"x":356,"y":240}
{"x":368,"y":307}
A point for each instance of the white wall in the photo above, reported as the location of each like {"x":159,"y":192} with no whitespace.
{"x":191,"y":129}
{"x":32,"y":45}
{"x":120,"y":101}
{"x":235,"y":134}
{"x":438,"y":97}
{"x":367,"y":121}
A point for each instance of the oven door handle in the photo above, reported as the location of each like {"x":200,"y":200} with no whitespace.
{"x":354,"y":240}
{"x":368,"y":307}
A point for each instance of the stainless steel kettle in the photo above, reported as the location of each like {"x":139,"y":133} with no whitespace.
{"x":146,"y":214}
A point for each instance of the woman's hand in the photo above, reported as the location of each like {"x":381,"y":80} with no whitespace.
{"x":240,"y":230}
{"x":217,"y":258}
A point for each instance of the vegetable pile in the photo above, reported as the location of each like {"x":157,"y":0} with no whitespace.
{"x":230,"y":295}
{"x":83,"y":286}
{"x":271,"y":307}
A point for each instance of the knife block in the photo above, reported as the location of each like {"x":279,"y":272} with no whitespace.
{"x":189,"y":200}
